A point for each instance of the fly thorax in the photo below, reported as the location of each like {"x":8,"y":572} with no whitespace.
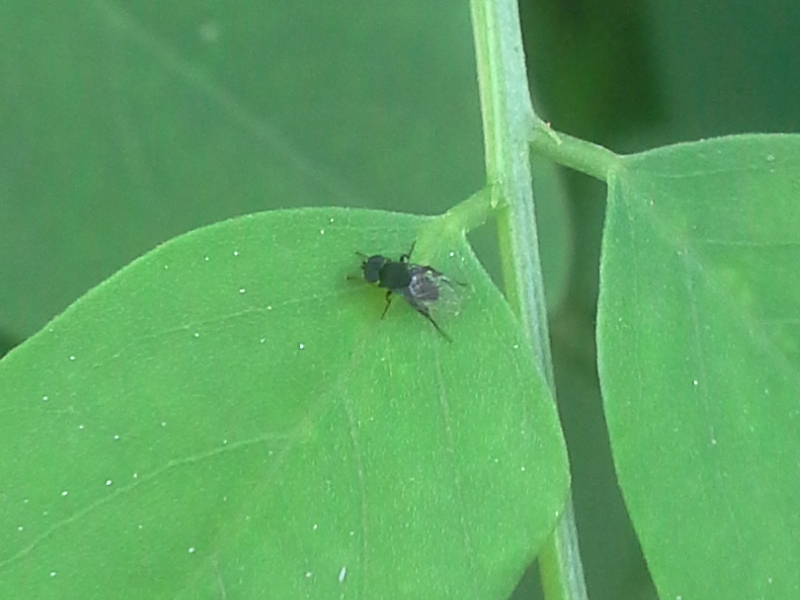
{"x":395,"y":276}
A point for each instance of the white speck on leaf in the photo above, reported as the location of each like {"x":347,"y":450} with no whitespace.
{"x":109,"y":482}
{"x":242,"y":290}
{"x":342,"y":574}
{"x":72,"y":357}
{"x":52,"y":573}
{"x":191,"y":550}
{"x":302,"y":345}
{"x":45,"y":398}
{"x":236,"y":253}
{"x":64,"y":493}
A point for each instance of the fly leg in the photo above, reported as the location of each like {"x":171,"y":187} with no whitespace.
{"x":388,"y":302}
{"x":404,"y":258}
{"x":426,"y":313}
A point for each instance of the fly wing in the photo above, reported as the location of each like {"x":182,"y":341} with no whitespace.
{"x":434,"y":292}
{"x":431,"y":294}
{"x":424,"y":285}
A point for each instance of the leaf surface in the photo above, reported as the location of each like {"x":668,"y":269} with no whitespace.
{"x":699,"y":347}
{"x":230,"y":417}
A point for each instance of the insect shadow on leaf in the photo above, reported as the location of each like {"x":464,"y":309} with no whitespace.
{"x":420,"y":285}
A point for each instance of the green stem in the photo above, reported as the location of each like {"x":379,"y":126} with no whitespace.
{"x":508,"y":123}
{"x":471,"y":213}
{"x":572,"y":152}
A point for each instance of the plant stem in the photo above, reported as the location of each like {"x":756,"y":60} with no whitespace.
{"x":575,"y":153}
{"x":471,"y":213}
{"x":509,"y":122}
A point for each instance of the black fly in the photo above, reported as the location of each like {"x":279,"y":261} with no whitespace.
{"x":420,"y":285}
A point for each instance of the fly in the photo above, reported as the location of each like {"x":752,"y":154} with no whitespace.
{"x":420,"y":285}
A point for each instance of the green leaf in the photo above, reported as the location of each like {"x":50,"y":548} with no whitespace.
{"x":229,"y":416}
{"x":699,"y":351}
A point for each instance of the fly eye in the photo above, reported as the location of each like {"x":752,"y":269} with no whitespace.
{"x":372,"y":268}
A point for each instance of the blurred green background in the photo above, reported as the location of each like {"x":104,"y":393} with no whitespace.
{"x":125,"y":123}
